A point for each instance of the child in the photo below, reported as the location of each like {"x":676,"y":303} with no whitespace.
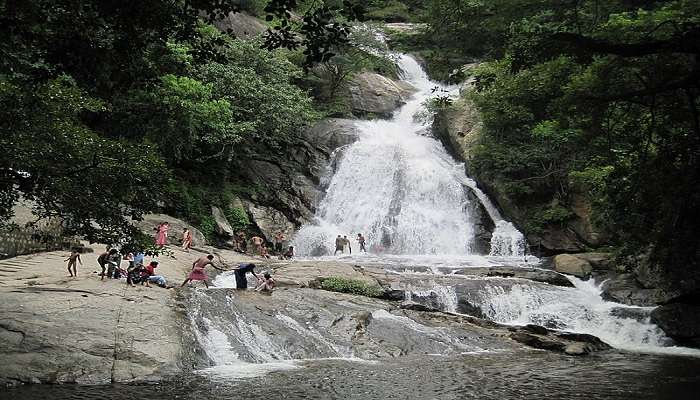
{"x":73,"y":259}
{"x":263,"y":251}
{"x":267,"y":284}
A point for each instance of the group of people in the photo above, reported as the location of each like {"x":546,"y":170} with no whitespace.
{"x":260,"y":245}
{"x":342,"y":243}
{"x":161,"y":236}
{"x":137,"y":271}
{"x":264,"y":283}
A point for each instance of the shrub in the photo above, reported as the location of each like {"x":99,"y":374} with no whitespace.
{"x":353,"y":286}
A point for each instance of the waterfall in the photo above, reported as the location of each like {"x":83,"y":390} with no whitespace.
{"x":580,"y":309}
{"x":399,"y":187}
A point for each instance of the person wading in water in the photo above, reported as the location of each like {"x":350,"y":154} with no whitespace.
{"x":339,"y":242}
{"x":346,"y":242}
{"x":240,"y":274}
{"x":361,"y":241}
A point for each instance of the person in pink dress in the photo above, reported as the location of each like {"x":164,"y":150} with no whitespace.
{"x":198,"y":273}
{"x":162,"y":234}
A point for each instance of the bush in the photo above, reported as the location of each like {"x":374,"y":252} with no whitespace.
{"x":353,"y":286}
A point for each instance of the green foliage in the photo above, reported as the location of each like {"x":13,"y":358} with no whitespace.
{"x":599,"y":100}
{"x":237,"y":217}
{"x":68,"y":169}
{"x":353,"y":286}
{"x":207,"y":225}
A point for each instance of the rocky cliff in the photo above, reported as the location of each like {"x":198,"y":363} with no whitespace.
{"x":458,"y":126}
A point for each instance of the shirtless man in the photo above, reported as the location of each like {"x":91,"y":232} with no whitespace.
{"x":361,"y":241}
{"x":279,"y":242}
{"x":257,"y":241}
{"x":339,"y":242}
{"x":73,"y":259}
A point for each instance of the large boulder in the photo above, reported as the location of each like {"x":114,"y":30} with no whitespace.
{"x":270,"y":221}
{"x":572,"y":265}
{"x":625,"y":289}
{"x":372,"y":93}
{"x":222,"y":227}
{"x":241,"y":25}
{"x":151,"y":221}
{"x":681,"y":322}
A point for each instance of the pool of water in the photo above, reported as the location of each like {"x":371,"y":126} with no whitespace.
{"x":528,"y":374}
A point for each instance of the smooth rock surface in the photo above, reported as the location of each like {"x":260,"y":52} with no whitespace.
{"x":572,"y":265}
{"x":372,"y":93}
{"x":222,"y":227}
{"x":681,"y":322}
{"x":151,"y":221}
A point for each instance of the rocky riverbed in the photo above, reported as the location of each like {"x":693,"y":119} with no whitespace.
{"x":61,"y":330}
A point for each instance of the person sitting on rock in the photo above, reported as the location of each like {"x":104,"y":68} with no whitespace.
{"x":240,"y":274}
{"x":289,"y":254}
{"x":266,"y":284}
{"x":152,"y":277}
{"x":263,"y":251}
{"x":136,"y":274}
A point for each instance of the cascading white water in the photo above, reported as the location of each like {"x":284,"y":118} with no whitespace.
{"x":401,"y":189}
{"x":580,"y":309}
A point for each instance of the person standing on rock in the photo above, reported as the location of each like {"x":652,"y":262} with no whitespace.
{"x":102,"y":261}
{"x":186,"y":239}
{"x":162,"y":234}
{"x":257,"y":241}
{"x":339,"y":243}
{"x":361,"y":241}
{"x":346,"y":242}
{"x":114,"y":260}
{"x":240,"y":274}
{"x":73,"y":259}
{"x":198,"y":273}
{"x":279,"y":242}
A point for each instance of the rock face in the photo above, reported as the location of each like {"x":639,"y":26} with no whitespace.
{"x":372,"y":93}
{"x":55,"y":329}
{"x":241,"y":25}
{"x":151,"y":221}
{"x":681,"y":322}
{"x":222,"y":227}
{"x":289,"y":186}
{"x":572,"y":265}
{"x":459,"y":127}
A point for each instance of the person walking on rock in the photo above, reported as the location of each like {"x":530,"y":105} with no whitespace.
{"x":73,"y":259}
{"x":186,"y":239}
{"x":339,"y":242}
{"x":162,"y":234}
{"x":198,"y":273}
{"x":102,"y":261}
{"x":361,"y":241}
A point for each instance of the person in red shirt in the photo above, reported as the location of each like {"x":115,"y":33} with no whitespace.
{"x":152,"y":277}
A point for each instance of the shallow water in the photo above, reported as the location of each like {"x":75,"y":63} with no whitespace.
{"x":529,"y":374}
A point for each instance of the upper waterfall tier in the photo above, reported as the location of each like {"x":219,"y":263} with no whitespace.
{"x":399,"y":187}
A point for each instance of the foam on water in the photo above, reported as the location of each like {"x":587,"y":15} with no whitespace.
{"x":580,"y":309}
